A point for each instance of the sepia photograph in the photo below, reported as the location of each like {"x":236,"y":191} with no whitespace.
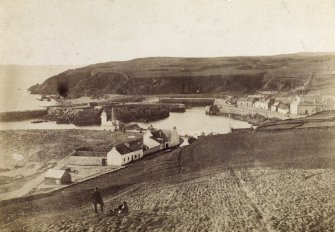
{"x":167,"y":115}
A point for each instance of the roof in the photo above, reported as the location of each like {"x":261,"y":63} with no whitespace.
{"x":55,"y":173}
{"x":251,"y":99}
{"x":127,"y":148}
{"x":90,"y":153}
{"x":283,"y":106}
{"x":242,"y":99}
{"x":160,"y":135}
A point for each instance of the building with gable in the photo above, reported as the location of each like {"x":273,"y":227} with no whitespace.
{"x":110,"y":123}
{"x":155,"y":140}
{"x":124,"y":153}
{"x":302,"y":106}
{"x":55,"y":176}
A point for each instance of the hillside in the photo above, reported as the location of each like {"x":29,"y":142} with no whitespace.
{"x":166,"y":75}
{"x":34,"y":151}
{"x":256,"y":181}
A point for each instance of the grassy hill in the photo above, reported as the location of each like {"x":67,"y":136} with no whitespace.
{"x":255,"y":181}
{"x":171,"y":75}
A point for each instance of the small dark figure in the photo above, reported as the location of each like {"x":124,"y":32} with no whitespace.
{"x":97,"y":199}
{"x":123,"y":208}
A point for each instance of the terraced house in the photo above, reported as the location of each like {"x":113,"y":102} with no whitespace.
{"x":124,"y":153}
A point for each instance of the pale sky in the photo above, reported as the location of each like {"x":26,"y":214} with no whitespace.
{"x":78,"y":32}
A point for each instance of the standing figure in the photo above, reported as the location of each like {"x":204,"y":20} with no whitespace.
{"x":97,"y":199}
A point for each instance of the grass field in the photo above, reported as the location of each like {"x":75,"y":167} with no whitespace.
{"x":27,"y":153}
{"x":257,"y":181}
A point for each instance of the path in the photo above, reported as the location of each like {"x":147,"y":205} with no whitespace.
{"x":31,"y":184}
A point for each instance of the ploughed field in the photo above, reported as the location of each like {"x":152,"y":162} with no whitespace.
{"x":256,"y":181}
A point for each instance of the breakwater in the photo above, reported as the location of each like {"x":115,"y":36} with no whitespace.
{"x":250,"y":115}
{"x":22,"y":115}
{"x":189,"y":101}
{"x":171,"y":107}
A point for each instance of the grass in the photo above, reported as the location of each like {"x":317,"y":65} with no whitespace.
{"x":41,"y":149}
{"x":257,"y":181}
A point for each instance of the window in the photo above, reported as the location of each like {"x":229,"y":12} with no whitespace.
{"x":124,"y":160}
{"x":128,"y":158}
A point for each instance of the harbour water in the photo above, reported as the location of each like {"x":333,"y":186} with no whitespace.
{"x":14,"y":82}
{"x":192,"y":122}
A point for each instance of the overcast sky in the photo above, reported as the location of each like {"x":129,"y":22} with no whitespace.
{"x":78,"y":32}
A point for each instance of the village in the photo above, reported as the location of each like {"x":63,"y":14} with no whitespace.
{"x":269,"y":104}
{"x":85,"y":163}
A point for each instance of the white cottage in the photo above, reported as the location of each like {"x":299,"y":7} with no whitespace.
{"x":124,"y":153}
{"x":55,"y":176}
{"x":150,"y":145}
{"x":155,"y":140}
{"x":168,"y":138}
{"x":110,"y":124}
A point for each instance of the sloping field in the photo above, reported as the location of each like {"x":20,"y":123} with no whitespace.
{"x":259,"y":181}
{"x":173,"y":75}
{"x":27,"y":153}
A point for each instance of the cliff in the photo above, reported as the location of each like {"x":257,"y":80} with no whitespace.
{"x":165,"y":75}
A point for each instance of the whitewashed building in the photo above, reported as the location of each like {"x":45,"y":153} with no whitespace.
{"x":155,"y":140}
{"x":274,"y":106}
{"x":124,"y":153}
{"x":301,"y":106}
{"x":55,"y":176}
{"x":283,"y":108}
{"x":150,"y":145}
{"x":110,"y":123}
{"x":168,"y":138}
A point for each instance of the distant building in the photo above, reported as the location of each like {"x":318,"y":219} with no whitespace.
{"x":150,"y":145}
{"x":168,"y":138}
{"x":110,"y":124}
{"x":54,"y":176}
{"x":220,"y":101}
{"x":245,"y":102}
{"x":257,"y":96}
{"x":259,"y":104}
{"x":124,"y":153}
{"x":263,"y":103}
{"x":88,"y":158}
{"x":283,"y":108}
{"x":267,"y":104}
{"x":185,"y":142}
{"x":268,"y":92}
{"x":328,"y":102}
{"x":274,"y":106}
{"x":302,"y":106}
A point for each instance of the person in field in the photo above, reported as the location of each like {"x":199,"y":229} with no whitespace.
{"x":97,"y":200}
{"x":123,"y":208}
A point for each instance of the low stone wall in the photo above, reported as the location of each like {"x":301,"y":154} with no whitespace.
{"x":152,"y":150}
{"x":85,"y":161}
{"x":88,"y":158}
{"x":22,"y":115}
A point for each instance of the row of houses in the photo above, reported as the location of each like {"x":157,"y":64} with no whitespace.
{"x":301,"y":105}
{"x":264,"y":104}
{"x":153,"y":141}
